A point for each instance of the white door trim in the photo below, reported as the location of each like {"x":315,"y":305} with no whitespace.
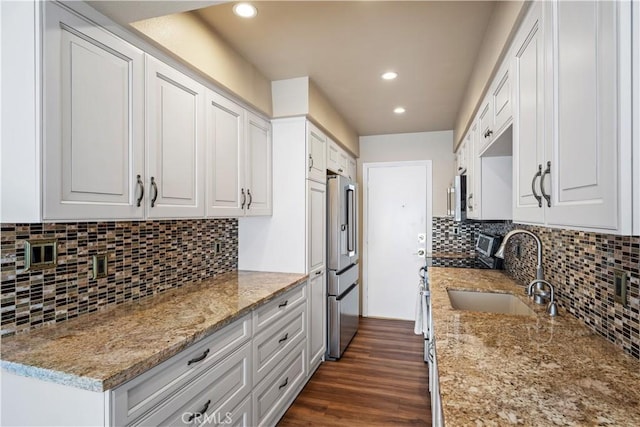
{"x":365,"y":213}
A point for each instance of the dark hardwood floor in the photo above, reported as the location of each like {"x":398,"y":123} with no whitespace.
{"x":381,"y":380}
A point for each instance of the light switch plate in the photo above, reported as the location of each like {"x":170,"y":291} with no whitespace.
{"x":100,"y":266}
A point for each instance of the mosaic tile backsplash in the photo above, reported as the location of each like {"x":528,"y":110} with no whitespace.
{"x":579,"y":264}
{"x":144,"y":259}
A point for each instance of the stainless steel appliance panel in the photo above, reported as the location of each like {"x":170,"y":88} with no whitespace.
{"x":342,"y":231}
{"x":343,"y":317}
{"x":337,"y":284}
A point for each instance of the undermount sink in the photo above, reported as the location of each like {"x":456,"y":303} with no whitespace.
{"x":488,"y":302}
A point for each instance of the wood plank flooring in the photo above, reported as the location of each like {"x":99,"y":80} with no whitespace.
{"x":381,"y":380}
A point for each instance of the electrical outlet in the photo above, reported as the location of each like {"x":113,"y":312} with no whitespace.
{"x":620,"y":286}
{"x":217,"y":247}
{"x":100,"y":266}
{"x":40,"y":254}
{"x":456,"y":231}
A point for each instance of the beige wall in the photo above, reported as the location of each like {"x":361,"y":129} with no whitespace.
{"x":506,"y":15}
{"x":186,"y":36}
{"x":434,"y":146}
{"x":324,"y":115}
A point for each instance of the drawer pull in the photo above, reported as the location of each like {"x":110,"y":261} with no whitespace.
{"x":319,"y":272}
{"x":284,"y":384}
{"x":202,"y":411}
{"x":199,"y":358}
{"x":284,"y":338}
{"x":284,"y":304}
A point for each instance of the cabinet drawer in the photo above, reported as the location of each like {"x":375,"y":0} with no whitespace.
{"x":211,"y":398}
{"x":276,"y":309}
{"x":272,"y":344}
{"x":272,"y":396}
{"x":137,"y":396}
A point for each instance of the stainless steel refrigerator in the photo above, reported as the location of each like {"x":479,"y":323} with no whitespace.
{"x":343,"y":291}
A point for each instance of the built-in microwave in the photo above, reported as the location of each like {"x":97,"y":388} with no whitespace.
{"x":457,"y":198}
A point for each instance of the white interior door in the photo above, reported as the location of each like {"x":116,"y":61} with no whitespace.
{"x":397,"y":224}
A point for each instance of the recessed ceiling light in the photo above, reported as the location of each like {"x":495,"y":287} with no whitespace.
{"x":399,"y":110}
{"x":389,"y":75}
{"x":245,"y":10}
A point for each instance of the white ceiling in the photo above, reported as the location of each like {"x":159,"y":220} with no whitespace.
{"x":344,"y":47}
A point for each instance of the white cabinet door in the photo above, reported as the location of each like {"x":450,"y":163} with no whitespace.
{"x":527,"y":67}
{"x":226,"y":195}
{"x":352,"y":169}
{"x":317,"y":318}
{"x":175,"y":143}
{"x":589,"y":60}
{"x":317,"y":301}
{"x":316,"y":154}
{"x":93,"y":121}
{"x":472,"y":174}
{"x":501,"y":100}
{"x":485,"y":124}
{"x":258,"y":166}
{"x":316,"y":220}
{"x":333,"y":156}
{"x":343,"y":163}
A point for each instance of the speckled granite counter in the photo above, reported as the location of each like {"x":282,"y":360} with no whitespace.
{"x":103,"y":350}
{"x":498,"y":369}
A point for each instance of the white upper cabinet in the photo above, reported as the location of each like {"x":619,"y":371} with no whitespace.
{"x":473,"y":173}
{"x":93,"y":150}
{"x":239,"y":158}
{"x":485,"y":125}
{"x":316,"y":154}
{"x":587,"y":173}
{"x":333,"y":156}
{"x":495,"y":112}
{"x":175,"y":143}
{"x":226,"y":195}
{"x":501,"y":100}
{"x":258,"y":165}
{"x":352,"y":169}
{"x":527,"y":67}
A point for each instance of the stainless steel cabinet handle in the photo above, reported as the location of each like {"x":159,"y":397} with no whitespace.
{"x":469,"y":205}
{"x":202,"y":411}
{"x":546,"y":172}
{"x":244,"y":198}
{"x":310,"y":162}
{"x":533,"y":186}
{"x":199,"y":358}
{"x":340,"y":170}
{"x":155,"y":191}
{"x":284,"y":338}
{"x":448,"y":201}
{"x":250,"y":199}
{"x":141,"y":185}
{"x":284,"y":384}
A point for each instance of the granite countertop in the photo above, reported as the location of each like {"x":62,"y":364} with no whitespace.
{"x":498,"y":369}
{"x":100,"y":351}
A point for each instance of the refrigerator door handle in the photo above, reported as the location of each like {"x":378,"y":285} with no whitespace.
{"x":351,"y":220}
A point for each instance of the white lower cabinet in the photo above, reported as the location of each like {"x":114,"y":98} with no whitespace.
{"x":246,"y":374}
{"x":276,"y":392}
{"x":212,"y":396}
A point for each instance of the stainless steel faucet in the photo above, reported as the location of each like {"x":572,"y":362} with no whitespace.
{"x":500,"y":252}
{"x":540,"y":297}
